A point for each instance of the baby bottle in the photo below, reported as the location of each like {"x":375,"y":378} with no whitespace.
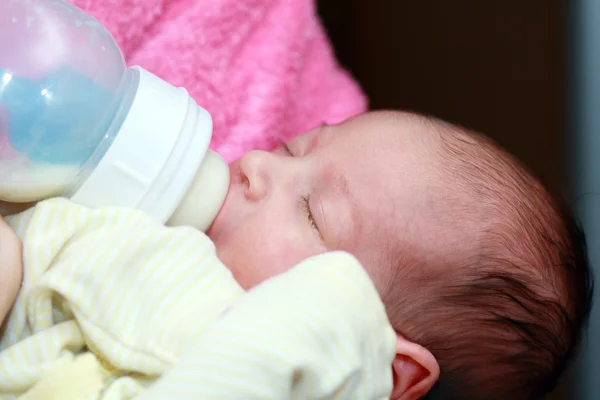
{"x":76,"y":122}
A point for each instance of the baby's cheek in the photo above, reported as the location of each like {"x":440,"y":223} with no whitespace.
{"x":264,"y":252}
{"x":289,"y":250}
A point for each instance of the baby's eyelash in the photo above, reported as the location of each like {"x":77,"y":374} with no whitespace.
{"x":286,"y":149}
{"x":305,"y":203}
{"x":281,"y":146}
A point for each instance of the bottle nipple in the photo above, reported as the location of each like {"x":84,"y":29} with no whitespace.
{"x":206,"y":195}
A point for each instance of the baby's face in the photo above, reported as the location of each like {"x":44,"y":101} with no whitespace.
{"x":357,"y":187}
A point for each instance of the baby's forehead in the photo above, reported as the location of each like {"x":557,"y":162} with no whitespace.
{"x":391,"y":168}
{"x":387,"y":136}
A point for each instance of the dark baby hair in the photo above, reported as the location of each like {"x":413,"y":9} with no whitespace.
{"x":504,"y":323}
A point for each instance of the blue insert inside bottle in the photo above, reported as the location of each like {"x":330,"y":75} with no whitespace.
{"x":59,"y":119}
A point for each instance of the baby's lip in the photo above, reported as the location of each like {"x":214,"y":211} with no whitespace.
{"x":212,"y":228}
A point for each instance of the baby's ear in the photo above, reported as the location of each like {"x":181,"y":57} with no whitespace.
{"x":415,"y":371}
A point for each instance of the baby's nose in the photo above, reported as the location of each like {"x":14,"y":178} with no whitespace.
{"x":255,"y":167}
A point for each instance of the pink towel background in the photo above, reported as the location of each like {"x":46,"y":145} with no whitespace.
{"x":264,"y":69}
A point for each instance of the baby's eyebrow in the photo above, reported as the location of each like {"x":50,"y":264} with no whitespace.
{"x":336,"y":179}
{"x":337,"y":182}
{"x":341,"y":183}
{"x":278,"y":143}
{"x":344,"y":209}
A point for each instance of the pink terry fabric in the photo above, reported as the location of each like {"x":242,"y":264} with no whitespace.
{"x":264,"y":69}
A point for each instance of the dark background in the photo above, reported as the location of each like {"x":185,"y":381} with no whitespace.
{"x":495,"y":66}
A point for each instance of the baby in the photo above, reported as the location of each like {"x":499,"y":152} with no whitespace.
{"x":483,"y":275}
{"x":472,"y":256}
